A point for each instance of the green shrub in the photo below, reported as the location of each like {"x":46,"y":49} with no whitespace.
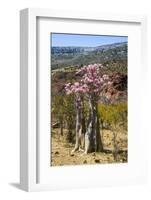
{"x":114,"y":114}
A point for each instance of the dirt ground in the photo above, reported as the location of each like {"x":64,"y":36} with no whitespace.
{"x":61,"y":150}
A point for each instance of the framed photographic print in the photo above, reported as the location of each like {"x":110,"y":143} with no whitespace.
{"x":81,"y":89}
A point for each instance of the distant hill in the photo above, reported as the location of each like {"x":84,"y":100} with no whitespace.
{"x":112,"y":56}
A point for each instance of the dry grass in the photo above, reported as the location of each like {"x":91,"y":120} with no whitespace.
{"x":61,"y":150}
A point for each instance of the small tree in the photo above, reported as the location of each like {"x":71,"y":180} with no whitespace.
{"x":63,"y":110}
{"x":69,"y":116}
{"x":113,"y":115}
{"x":58,"y":111}
{"x":77,"y":90}
{"x":90,"y":86}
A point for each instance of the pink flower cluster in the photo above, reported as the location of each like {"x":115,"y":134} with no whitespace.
{"x":92,"y":68}
{"x":91,"y":82}
{"x":75,"y":88}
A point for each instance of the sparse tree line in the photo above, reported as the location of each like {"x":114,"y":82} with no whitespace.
{"x":79,"y":109}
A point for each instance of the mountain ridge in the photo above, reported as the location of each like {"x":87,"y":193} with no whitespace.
{"x":93,"y":47}
{"x":76,"y":56}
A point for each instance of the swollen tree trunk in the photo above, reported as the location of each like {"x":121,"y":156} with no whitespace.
{"x":80,"y":125}
{"x":99,"y":143}
{"x":93,"y":140}
{"x":78,"y":129}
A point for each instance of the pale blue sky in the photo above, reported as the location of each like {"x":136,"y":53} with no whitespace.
{"x":60,"y":39}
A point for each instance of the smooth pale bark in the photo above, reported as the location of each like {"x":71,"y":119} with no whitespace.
{"x":80,"y":127}
{"x":93,"y":140}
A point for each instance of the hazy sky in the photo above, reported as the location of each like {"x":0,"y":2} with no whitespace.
{"x":59,"y":39}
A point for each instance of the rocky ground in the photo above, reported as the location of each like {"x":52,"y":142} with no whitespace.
{"x":61,"y":151}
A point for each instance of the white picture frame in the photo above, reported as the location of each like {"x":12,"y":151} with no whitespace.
{"x":29,"y":148}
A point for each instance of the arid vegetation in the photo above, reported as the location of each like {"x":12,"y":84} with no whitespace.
{"x":89,"y":105}
{"x":89,"y":116}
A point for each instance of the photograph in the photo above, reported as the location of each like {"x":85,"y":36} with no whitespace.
{"x":89,"y":99}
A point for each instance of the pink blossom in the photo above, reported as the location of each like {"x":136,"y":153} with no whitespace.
{"x":91,"y":82}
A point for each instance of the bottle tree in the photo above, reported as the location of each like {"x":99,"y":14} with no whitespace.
{"x":77,"y":90}
{"x":90,"y":86}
